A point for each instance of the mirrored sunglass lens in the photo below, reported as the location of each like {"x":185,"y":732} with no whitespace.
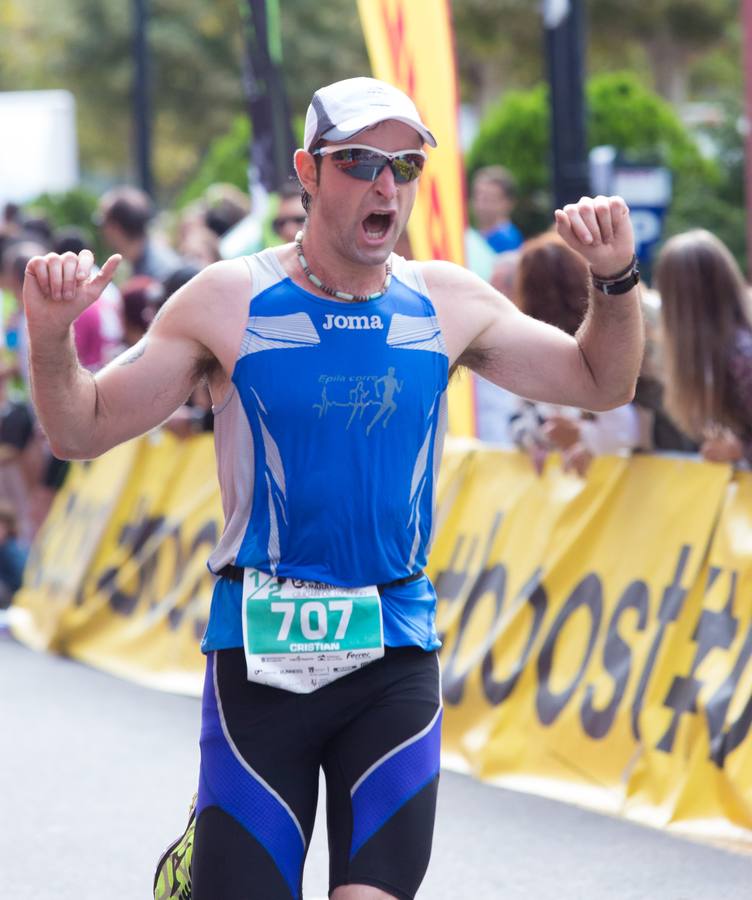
{"x":407,"y":168}
{"x":359,"y":163}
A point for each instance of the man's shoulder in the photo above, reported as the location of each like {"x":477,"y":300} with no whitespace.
{"x":222,"y":276}
{"x":221,"y":285}
{"x":444,"y":278}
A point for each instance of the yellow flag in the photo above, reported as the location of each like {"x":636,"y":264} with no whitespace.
{"x":410,"y":45}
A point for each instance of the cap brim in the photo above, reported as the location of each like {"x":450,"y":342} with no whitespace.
{"x":349,"y":128}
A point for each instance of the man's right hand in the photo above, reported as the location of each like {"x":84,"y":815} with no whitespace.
{"x":57,"y":289}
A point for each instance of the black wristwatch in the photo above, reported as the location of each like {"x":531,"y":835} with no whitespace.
{"x":620,"y":283}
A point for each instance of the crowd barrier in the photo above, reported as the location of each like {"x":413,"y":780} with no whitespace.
{"x":597,"y":634}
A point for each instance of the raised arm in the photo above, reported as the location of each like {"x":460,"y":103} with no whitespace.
{"x":598,"y":367}
{"x":83,"y":414}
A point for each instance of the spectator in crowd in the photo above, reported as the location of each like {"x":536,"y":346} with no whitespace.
{"x":13,"y":554}
{"x":15,"y":258}
{"x":9,"y":317}
{"x":504,"y":272}
{"x":290,"y":216}
{"x":494,"y":406}
{"x":492,"y":199}
{"x":195,"y":415}
{"x":553,"y":284}
{"x":178,"y":278}
{"x":11,"y":223}
{"x":29,"y":473}
{"x":142,"y":298}
{"x":124,"y":214}
{"x":226,"y":205}
{"x":37,"y":228}
{"x":199,"y":246}
{"x":658,"y":431}
{"x":22,"y":463}
{"x":707,"y":318}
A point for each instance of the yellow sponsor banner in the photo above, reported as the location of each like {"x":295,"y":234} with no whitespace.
{"x":597,"y":643}
{"x":142,"y":604}
{"x":410,"y":45}
{"x":696,"y":764}
{"x":51,"y":604}
{"x":597,"y":634}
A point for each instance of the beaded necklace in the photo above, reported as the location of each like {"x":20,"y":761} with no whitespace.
{"x":340,"y":295}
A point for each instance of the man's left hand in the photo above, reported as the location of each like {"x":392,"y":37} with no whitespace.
{"x":599,"y":229}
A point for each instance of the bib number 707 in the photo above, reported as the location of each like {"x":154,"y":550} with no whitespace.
{"x":309,"y":610}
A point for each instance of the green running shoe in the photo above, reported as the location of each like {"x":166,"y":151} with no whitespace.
{"x":172,"y":880}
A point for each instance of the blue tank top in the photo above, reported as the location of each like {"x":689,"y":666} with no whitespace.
{"x":328,"y":447}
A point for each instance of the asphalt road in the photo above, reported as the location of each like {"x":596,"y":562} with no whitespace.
{"x":96,"y":775}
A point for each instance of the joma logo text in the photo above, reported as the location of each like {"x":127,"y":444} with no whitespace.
{"x":352,"y":323}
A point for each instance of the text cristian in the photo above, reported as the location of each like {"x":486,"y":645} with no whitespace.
{"x":313,"y":648}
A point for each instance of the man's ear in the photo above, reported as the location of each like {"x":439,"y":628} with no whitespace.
{"x":305,"y":168}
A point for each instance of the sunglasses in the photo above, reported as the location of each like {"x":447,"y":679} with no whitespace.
{"x":367,"y":163}
{"x":281,"y":221}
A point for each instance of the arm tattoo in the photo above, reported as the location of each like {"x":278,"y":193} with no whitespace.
{"x":136,"y":352}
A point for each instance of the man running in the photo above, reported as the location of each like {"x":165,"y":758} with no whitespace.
{"x":321,"y":643}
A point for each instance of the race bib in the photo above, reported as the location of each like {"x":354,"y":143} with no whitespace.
{"x":301,"y":635}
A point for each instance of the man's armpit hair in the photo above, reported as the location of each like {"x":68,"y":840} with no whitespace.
{"x":477,"y":358}
{"x":204,"y":367}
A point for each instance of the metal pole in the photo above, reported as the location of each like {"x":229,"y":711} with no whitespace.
{"x":141,"y":98}
{"x":564,"y":36}
{"x":272,"y":143}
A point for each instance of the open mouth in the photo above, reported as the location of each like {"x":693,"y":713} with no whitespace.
{"x":377,"y":224}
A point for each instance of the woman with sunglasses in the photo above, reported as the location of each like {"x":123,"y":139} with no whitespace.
{"x":328,"y":361}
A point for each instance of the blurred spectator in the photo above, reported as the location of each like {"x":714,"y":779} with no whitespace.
{"x":15,"y":258}
{"x":707,"y":318}
{"x":504,"y":272}
{"x":658,"y":430}
{"x":98,"y":330}
{"x":22,"y":462}
{"x":553,"y":285}
{"x":196,"y":243}
{"x":37,"y":228}
{"x":196,"y":414}
{"x":199,"y":245}
{"x":492,"y":199}
{"x":124,"y":214}
{"x":142,"y":298}
{"x":226,"y":205}
{"x":178,"y":278}
{"x":494,"y":406}
{"x":291,"y":216}
{"x":11,"y":224}
{"x":8,"y":313}
{"x":29,"y":474}
{"x":12,"y":554}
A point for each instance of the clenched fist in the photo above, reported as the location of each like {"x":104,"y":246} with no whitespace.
{"x":599,"y":229}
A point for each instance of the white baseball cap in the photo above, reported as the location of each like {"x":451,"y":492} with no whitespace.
{"x":340,"y":110}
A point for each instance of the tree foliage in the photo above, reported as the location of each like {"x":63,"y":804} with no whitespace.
{"x":719,"y":205}
{"x":196,"y":52}
{"x":501,"y":43}
{"x":621,"y":112}
{"x":226,"y":162}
